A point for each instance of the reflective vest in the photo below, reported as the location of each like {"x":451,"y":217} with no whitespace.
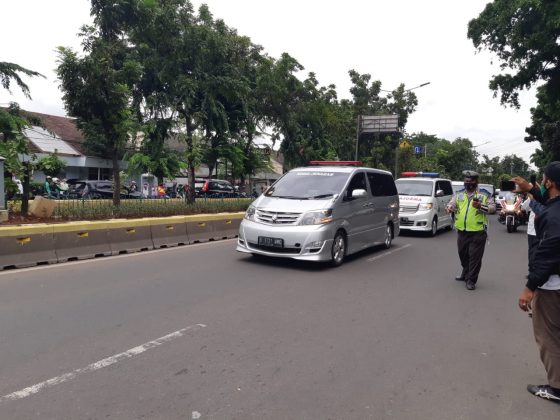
{"x":466,"y":216}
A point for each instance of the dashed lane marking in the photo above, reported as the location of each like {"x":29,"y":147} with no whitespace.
{"x":377,"y":257}
{"x":57,"y":380}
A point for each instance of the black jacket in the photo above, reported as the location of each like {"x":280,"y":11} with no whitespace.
{"x":547,"y":255}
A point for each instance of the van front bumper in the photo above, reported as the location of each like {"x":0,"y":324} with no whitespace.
{"x":419,"y":221}
{"x":308,"y":243}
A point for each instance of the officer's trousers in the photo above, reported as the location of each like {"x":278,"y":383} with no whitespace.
{"x":471,"y":249}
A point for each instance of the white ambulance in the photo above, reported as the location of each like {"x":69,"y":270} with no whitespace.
{"x":423,"y":198}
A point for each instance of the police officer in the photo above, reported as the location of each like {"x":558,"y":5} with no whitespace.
{"x":471,"y":207}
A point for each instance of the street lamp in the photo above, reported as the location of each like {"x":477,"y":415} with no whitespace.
{"x":407,"y":90}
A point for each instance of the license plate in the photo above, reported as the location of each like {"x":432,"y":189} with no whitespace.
{"x":273,"y":242}
{"x":404,"y":219}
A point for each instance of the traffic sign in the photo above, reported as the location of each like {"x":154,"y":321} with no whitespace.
{"x":417,"y":150}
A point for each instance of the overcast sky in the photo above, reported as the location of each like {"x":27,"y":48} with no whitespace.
{"x":396,"y":41}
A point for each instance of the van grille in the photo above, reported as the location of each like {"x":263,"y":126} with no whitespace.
{"x":277,"y":218}
{"x":408,"y":209}
{"x":273,"y":249}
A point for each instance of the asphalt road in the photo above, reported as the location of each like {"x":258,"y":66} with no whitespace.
{"x":205,"y":332}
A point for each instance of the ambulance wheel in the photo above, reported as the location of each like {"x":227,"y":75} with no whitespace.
{"x":338,"y":250}
{"x":433,"y":232}
{"x":388,"y":237}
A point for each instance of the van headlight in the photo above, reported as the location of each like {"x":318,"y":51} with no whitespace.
{"x":319,"y":217}
{"x":250,"y":213}
{"x":425,"y":206}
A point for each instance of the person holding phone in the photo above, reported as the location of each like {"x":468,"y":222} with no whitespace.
{"x":542,"y":290}
{"x":471,"y":207}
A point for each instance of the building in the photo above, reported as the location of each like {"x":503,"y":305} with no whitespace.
{"x":61,"y":136}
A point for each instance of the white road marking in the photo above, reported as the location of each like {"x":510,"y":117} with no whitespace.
{"x":196,"y":415}
{"x":389,"y":252}
{"x":111,"y":258}
{"x":34,"y":389}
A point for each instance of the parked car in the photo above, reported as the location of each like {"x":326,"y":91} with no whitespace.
{"x":322,"y":213}
{"x":97,"y":189}
{"x":214,"y":188}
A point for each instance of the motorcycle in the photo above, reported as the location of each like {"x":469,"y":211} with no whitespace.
{"x":511,"y":213}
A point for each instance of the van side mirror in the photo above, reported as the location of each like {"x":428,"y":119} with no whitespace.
{"x":440,"y":193}
{"x":359,"y":193}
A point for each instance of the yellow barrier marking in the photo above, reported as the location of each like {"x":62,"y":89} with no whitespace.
{"x":131,"y":230}
{"x":170,"y":227}
{"x":202,"y":225}
{"x":23,"y":241}
{"x":228,"y":222}
{"x":83,"y":234}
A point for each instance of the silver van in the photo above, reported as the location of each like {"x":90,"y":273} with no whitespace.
{"x":423,"y":202}
{"x":322,"y":213}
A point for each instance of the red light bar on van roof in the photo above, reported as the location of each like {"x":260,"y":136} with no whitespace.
{"x":425,"y":174}
{"x":336,"y":163}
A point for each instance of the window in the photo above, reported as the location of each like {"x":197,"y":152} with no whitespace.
{"x":358,"y":182}
{"x":382,"y":185}
{"x":445,"y":186}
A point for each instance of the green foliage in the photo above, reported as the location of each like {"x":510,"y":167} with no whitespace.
{"x":97,"y":87}
{"x":51,"y":165}
{"x":11,"y":71}
{"x":524,"y":35}
{"x":104,"y":209}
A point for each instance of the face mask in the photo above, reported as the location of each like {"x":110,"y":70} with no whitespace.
{"x":544,"y":192}
{"x":470,"y":187}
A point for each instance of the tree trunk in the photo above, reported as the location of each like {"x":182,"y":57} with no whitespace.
{"x":116,"y":181}
{"x":25,"y":194}
{"x":191,"y":194}
{"x":211,"y":167}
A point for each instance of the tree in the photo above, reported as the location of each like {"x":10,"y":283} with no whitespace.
{"x":97,"y":87}
{"x":11,"y":71}
{"x":524,"y":35}
{"x":51,"y":165}
{"x":13,"y":143}
{"x":545,"y":127}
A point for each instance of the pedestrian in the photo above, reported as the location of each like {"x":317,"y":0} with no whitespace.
{"x":146,"y":190}
{"x":133,"y":187}
{"x":541,"y":294}
{"x":532,"y":207}
{"x":471,"y":207}
{"x":161,"y":191}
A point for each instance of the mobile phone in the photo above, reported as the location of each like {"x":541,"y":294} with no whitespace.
{"x":533,"y":179}
{"x":507,"y":186}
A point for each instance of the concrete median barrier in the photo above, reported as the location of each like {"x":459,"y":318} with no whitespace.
{"x":201,"y":230}
{"x":81,"y":240}
{"x":170,"y":231}
{"x":129,"y":235}
{"x":227,"y":228}
{"x":26,"y":246}
{"x":211,"y":227}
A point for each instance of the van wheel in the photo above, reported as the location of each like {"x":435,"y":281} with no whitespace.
{"x":433,"y":232}
{"x":338,"y":250}
{"x":388,"y":237}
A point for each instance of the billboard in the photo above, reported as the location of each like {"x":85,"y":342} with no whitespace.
{"x":379,"y":124}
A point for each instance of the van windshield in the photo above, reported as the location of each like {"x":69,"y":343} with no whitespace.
{"x":307,"y":185}
{"x":405,"y":187}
